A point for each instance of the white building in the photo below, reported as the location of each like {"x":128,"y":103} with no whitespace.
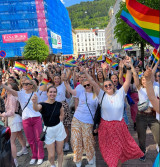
{"x":111,"y":41}
{"x":90,"y":42}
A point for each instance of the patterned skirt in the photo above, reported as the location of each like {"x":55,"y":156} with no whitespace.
{"x":116,"y":143}
{"x":67,"y":115}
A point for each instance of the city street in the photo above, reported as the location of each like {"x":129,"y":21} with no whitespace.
{"x":68,"y":156}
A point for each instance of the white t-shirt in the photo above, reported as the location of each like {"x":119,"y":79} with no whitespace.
{"x":82,"y":112}
{"x":142,"y":94}
{"x":61,"y":93}
{"x":112,"y":105}
{"x":79,"y":88}
{"x":42,"y":96}
{"x":28,"y":112}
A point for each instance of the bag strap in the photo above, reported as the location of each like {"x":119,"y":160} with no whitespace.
{"x":51,"y":115}
{"x":88,"y":105}
{"x":28,"y":102}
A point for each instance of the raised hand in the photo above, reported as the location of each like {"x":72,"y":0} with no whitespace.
{"x":148,"y":74}
{"x":34,"y":98}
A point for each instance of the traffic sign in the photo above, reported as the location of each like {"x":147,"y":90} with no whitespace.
{"x":2,"y":54}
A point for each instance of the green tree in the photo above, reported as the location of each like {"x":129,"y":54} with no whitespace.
{"x":125,"y":34}
{"x":36,"y":49}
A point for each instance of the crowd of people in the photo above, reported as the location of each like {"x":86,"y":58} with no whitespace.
{"x":64,"y":108}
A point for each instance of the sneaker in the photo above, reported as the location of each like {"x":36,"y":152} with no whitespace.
{"x":32,"y":161}
{"x":78,"y":164}
{"x":143,"y":158}
{"x":66,"y":147}
{"x":15,"y":162}
{"x":22,"y":152}
{"x":40,"y":161}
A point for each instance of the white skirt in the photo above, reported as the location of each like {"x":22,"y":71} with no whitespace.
{"x":16,"y":127}
{"x":55,"y":133}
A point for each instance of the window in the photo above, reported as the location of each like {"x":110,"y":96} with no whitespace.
{"x":77,"y":36}
{"x":78,"y":50}
{"x":86,"y":49}
{"x":77,"y":40}
{"x":83,"y":50}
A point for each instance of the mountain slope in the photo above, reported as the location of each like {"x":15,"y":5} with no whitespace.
{"x":90,"y":14}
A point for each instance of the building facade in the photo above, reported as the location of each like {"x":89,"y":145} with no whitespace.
{"x":75,"y":53}
{"x":90,"y":42}
{"x":47,"y":19}
{"x":111,"y":41}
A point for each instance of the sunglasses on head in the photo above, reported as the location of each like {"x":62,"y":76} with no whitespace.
{"x":86,"y":85}
{"x":106,"y":86}
{"x":26,"y":84}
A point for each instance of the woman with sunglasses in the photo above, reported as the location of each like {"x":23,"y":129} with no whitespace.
{"x":82,"y":123}
{"x":31,"y":120}
{"x":115,"y":142}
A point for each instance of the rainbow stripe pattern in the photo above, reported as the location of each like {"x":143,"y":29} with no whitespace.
{"x":29,"y":76}
{"x":100,"y":58}
{"x":128,"y":47}
{"x":114,"y":65}
{"x":144,"y":20}
{"x":83,"y":58}
{"x":69,"y":65}
{"x":44,"y":82}
{"x":140,"y":74}
{"x":20,"y":67}
{"x":155,"y":55}
{"x":109,"y":61}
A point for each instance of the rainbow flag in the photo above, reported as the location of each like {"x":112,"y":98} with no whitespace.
{"x":72,"y":61}
{"x":20,"y":67}
{"x":100,"y":58}
{"x":144,"y":20}
{"x":155,"y":55}
{"x":44,"y":82}
{"x":128,"y":47}
{"x":58,"y":62}
{"x":83,"y":58}
{"x":29,"y":76}
{"x":114,"y":65}
{"x":140,"y":74}
{"x":124,"y":75}
{"x":79,"y":56}
{"x":109,"y":61}
{"x":69,"y":65}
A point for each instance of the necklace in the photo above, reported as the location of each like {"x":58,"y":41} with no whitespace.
{"x":110,"y":98}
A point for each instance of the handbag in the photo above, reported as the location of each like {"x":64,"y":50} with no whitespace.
{"x":143,"y":106}
{"x":43,"y":134}
{"x":19,"y":112}
{"x":97,"y":116}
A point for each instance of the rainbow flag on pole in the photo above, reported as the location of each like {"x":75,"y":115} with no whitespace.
{"x":20,"y":67}
{"x":29,"y":76}
{"x":155,"y":55}
{"x":128,"y":47}
{"x":114,"y":65}
{"x":109,"y":61}
{"x":44,"y":82}
{"x":144,"y":20}
{"x":69,"y":65}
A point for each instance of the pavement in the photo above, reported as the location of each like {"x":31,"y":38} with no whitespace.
{"x":68,"y":156}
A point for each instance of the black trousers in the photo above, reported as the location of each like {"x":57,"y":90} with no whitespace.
{"x":144,"y":121}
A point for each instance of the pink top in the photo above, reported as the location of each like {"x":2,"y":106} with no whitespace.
{"x":11,"y":106}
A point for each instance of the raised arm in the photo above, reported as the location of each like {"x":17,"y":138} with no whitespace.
{"x":121,"y":65}
{"x":127,"y":63}
{"x":150,"y":91}
{"x":36,"y":106}
{"x":135,"y":77}
{"x":155,"y":67}
{"x":69,"y":89}
{"x":13,"y":92}
{"x":92,"y":82}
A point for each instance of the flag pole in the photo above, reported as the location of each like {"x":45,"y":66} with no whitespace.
{"x":155,"y":57}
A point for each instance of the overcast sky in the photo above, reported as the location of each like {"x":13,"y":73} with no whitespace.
{"x":72,"y":2}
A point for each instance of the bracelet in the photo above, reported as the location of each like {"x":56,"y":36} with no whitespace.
{"x":128,"y":68}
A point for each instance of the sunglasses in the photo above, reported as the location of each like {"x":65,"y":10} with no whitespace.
{"x":109,"y":85}
{"x":86,"y":85}
{"x":26,"y":84}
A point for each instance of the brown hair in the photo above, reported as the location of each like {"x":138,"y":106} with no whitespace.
{"x":114,"y":90}
{"x":14,"y":86}
{"x":50,"y":88}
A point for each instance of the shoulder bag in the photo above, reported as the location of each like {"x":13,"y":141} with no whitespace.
{"x":43,"y":134}
{"x":97,"y":116}
{"x":20,"y":109}
{"x":143,"y":106}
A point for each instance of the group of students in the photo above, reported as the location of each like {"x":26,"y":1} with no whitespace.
{"x":47,"y":107}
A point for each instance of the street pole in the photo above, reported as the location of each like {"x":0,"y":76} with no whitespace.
{"x":3,"y":62}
